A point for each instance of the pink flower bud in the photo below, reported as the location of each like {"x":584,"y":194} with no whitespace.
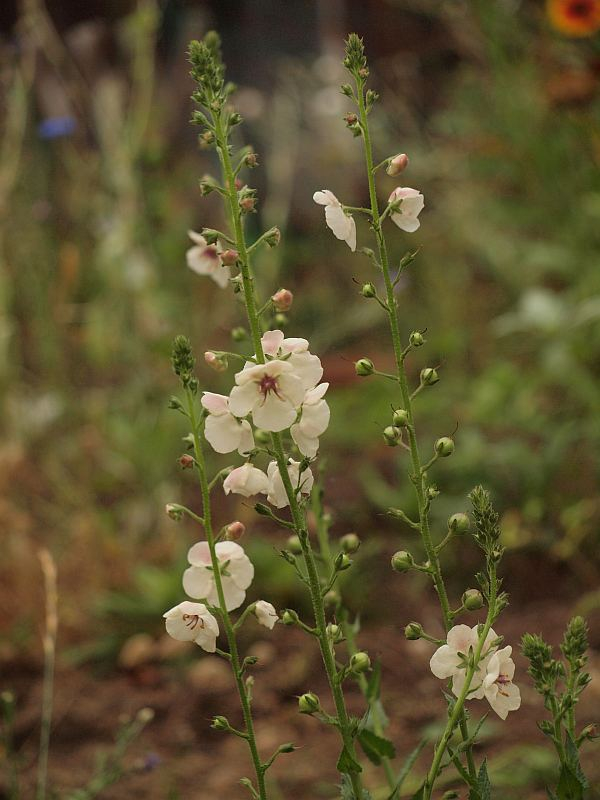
{"x":397,"y":164}
{"x":238,"y":183}
{"x":234,"y":531}
{"x":229,"y":257}
{"x":282,"y":300}
{"x":186,"y":461}
{"x":214,"y":362}
{"x":248,"y":203}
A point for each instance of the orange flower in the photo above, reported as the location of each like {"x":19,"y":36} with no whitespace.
{"x":575,"y":17}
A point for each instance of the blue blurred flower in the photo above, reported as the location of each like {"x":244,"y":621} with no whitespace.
{"x":56,"y":127}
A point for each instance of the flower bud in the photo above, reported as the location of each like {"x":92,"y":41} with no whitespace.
{"x":391,"y":436}
{"x":429,"y":376}
{"x":174,"y":511}
{"x":248,"y":204}
{"x":364,"y":367}
{"x":293,"y":544}
{"x":185,"y":461}
{"x":251,"y":160}
{"x":229,"y":257}
{"x":261,"y":436}
{"x":444,"y":447}
{"x":459,"y":523}
{"x":472,"y":600}
{"x":220,"y":723}
{"x":416,"y":338}
{"x":402,"y":561}
{"x":363,"y":72}
{"x":235,"y":118}
{"x":334,"y":632}
{"x":239,"y":334}
{"x":282,"y":300}
{"x":368,"y":290}
{"x":273,"y":237}
{"x":400,"y":418}
{"x":308,"y":703}
{"x":289,"y":617}
{"x":371,"y":97}
{"x":263,"y":509}
{"x":288,"y":747}
{"x":218,"y":363}
{"x":342,"y":562}
{"x":281,"y":320}
{"x":346,"y":89}
{"x":590,"y":732}
{"x":349,"y":543}
{"x":360,"y":662}
{"x":234,"y":531}
{"x":206,"y":139}
{"x":432,"y":492}
{"x":350,"y":119}
{"x":413,"y":631}
{"x":207,"y":185}
{"x":397,"y":164}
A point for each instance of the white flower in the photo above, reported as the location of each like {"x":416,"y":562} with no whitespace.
{"x":271,"y":391}
{"x":306,"y":366}
{"x":192,"y":622}
{"x":342,"y":224}
{"x":500,"y":691}
{"x":204,"y":259}
{"x":447,"y":663}
{"x":303,"y":484}
{"x":411,"y":206}
{"x":224,"y":432}
{"x":313,"y":422}
{"x":246,"y":480}
{"x":236,"y":573}
{"x":265,"y":614}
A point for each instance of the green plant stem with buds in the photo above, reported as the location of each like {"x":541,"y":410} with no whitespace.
{"x":298,"y":517}
{"x":417,"y":476}
{"x":236,"y":666}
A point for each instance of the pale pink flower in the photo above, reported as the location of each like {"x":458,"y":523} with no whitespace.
{"x":411,"y":206}
{"x":271,"y":392}
{"x":265,"y":614}
{"x":246,"y":480}
{"x":313,"y":421}
{"x":236,"y":574}
{"x":224,"y":432}
{"x":338,"y":221}
{"x":193,"y":622}
{"x":204,"y":259}
{"x":500,"y":691}
{"x":301,"y":483}
{"x":294,"y":351}
{"x":446,"y":662}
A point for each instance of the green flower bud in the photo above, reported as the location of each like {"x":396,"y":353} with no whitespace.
{"x":400,"y":418}
{"x":288,"y":747}
{"x":350,"y":543}
{"x":342,"y":562}
{"x":402,"y":561}
{"x":416,"y":339}
{"x":360,"y":662}
{"x":364,"y":367}
{"x":391,"y":436}
{"x":459,"y":523}
{"x":432,"y":492}
{"x":444,"y":447}
{"x":289,"y":617}
{"x":334,"y":632}
{"x":429,"y":376}
{"x":211,"y":235}
{"x":472,"y":600}
{"x":590,"y":732}
{"x":413,"y":631}
{"x":308,"y":703}
{"x":234,"y":118}
{"x":263,"y":510}
{"x":293,"y":544}
{"x":368,"y":290}
{"x":346,"y":89}
{"x":174,"y":511}
{"x":273,"y":237}
{"x":239,"y":334}
{"x":220,"y":724}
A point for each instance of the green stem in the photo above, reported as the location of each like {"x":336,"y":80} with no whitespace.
{"x":278,"y":449}
{"x":226,"y":619}
{"x":418,"y":477}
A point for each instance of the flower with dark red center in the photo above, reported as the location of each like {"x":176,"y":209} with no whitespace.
{"x":575,"y":17}
{"x":271,"y":392}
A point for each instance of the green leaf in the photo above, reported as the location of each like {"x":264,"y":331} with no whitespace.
{"x":374,"y":683}
{"x":483,"y":782}
{"x":347,"y":792}
{"x":346,"y":763}
{"x":375,"y":747}
{"x":420,"y":794}
{"x":572,"y":783}
{"x":406,"y":768}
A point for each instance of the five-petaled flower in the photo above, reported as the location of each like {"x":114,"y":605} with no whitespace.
{"x":313,"y":421}
{"x":192,"y":622}
{"x":302,"y":483}
{"x":295,"y":351}
{"x":204,"y":259}
{"x":338,"y":221}
{"x":450,"y":660}
{"x":236,"y":569}
{"x":265,"y":614}
{"x":271,"y":391}
{"x":223,"y":431}
{"x":411,"y":205}
{"x":499,"y":690}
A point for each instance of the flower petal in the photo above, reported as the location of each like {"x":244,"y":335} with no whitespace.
{"x":444,"y":662}
{"x":198,"y":582}
{"x":243,"y":398}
